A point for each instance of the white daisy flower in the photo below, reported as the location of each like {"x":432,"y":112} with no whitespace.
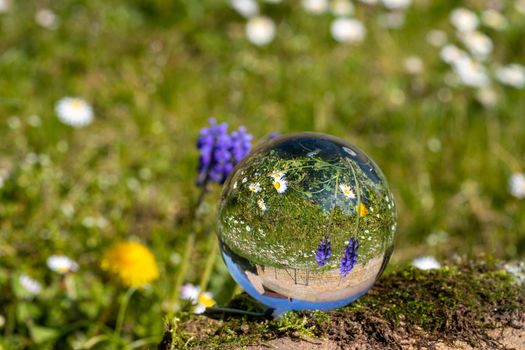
{"x":348,"y":30}
{"x":74,"y":111}
{"x":277,"y":175}
{"x":436,"y":38}
{"x":260,"y":30}
{"x":342,"y":7}
{"x":479,"y":45}
{"x":315,"y":6}
{"x":426,"y":263}
{"x":494,"y":19}
{"x":261,"y":204}
{"x":30,"y":285}
{"x":512,"y":75}
{"x":4,"y":5}
{"x":396,"y":4}
{"x":517,"y":185}
{"x":246,"y":8}
{"x":46,"y":18}
{"x":255,"y":187}
{"x":487,"y":96}
{"x":413,"y":65}
{"x":347,"y":191}
{"x":61,"y":264}
{"x":451,"y":54}
{"x":244,"y":180}
{"x":192,"y":293}
{"x":471,"y":73}
{"x":189,"y":292}
{"x":280,"y":185}
{"x":519,"y":5}
{"x":464,"y":20}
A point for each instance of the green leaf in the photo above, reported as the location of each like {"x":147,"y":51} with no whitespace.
{"x":41,"y":334}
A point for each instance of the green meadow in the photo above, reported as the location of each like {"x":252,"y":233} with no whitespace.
{"x":155,"y":71}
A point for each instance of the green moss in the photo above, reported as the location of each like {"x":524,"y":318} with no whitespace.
{"x":452,"y":303}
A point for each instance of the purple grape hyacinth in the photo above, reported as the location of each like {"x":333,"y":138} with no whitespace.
{"x":324,"y":252}
{"x":349,"y":259}
{"x":219,"y":151}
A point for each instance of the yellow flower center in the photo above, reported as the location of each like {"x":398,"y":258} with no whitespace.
{"x":277,"y":185}
{"x":206,"y":300}
{"x":76,"y":104}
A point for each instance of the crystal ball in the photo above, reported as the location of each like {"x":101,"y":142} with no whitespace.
{"x":306,"y":221}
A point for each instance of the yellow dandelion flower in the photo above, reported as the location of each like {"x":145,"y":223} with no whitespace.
{"x":132,"y":262}
{"x":361,"y":209}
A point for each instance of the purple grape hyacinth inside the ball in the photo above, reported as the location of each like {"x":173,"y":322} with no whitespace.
{"x":324,"y":252}
{"x":349,"y":259}
{"x":220,"y":151}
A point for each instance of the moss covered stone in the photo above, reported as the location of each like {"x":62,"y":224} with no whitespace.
{"x":455,"y":303}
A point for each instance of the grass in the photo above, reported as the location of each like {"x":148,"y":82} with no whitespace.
{"x":154,"y":71}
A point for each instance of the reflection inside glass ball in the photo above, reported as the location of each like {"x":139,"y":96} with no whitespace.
{"x":306,"y":221}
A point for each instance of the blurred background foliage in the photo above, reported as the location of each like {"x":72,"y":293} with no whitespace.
{"x":154,"y":71}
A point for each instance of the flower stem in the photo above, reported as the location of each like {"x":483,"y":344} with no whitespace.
{"x":212,"y":256}
{"x":124,"y":301}
{"x":188,"y":251}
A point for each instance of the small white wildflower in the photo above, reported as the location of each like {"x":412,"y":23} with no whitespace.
{"x":426,"y":263}
{"x":347,"y":191}
{"x":437,"y":38}
{"x":494,"y":19}
{"x":451,"y":54}
{"x":479,"y":45}
{"x":277,"y":175}
{"x":471,"y":73}
{"x":34,"y":121}
{"x":487,"y":96}
{"x":519,"y":5}
{"x":413,"y":65}
{"x":30,"y":285}
{"x":464,"y":20}
{"x":5,"y":5}
{"x":61,"y":264}
{"x":246,"y":8}
{"x":260,"y":30}
{"x":261,"y":204}
{"x":342,"y":7}
{"x":396,"y":4}
{"x":244,"y":180}
{"x":434,"y":144}
{"x":255,"y":187}
{"x":517,"y":185}
{"x":74,"y":111}
{"x":14,"y":122}
{"x":280,"y":185}
{"x":512,"y":75}
{"x":46,"y":18}
{"x":315,"y":6}
{"x":348,"y":30}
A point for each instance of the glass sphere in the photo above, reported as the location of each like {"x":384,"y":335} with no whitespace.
{"x":306,"y":221}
